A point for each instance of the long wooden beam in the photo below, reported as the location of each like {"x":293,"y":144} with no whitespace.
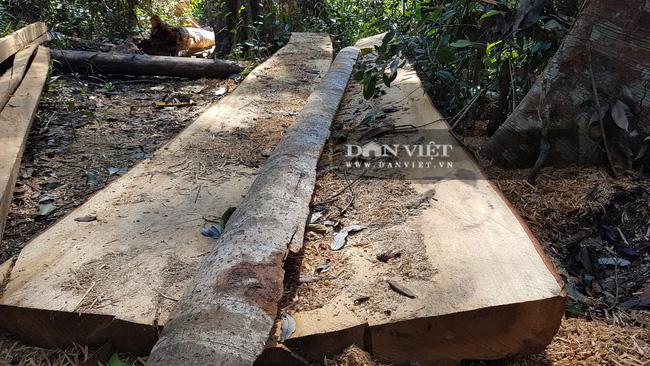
{"x":15,"y":121}
{"x":20,"y":39}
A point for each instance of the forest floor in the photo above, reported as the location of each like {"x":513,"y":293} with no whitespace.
{"x":594,"y":227}
{"x":583,"y":216}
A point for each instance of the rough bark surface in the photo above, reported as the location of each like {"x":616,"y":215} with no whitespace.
{"x":226,"y":315}
{"x":610,"y":37}
{"x":115,"y":63}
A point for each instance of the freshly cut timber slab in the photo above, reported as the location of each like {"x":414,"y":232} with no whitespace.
{"x":118,"y":277}
{"x":472,"y":282}
{"x":12,"y":77}
{"x":15,"y":121}
{"x":128,"y":64}
{"x":227,"y":313}
{"x":16,"y":41}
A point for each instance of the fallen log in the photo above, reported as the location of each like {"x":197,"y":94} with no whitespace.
{"x":228,"y":310}
{"x":128,"y":64}
{"x":146,"y":243}
{"x":20,"y":39}
{"x":15,"y":121}
{"x":167,"y":40}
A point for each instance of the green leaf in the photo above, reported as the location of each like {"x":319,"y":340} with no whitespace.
{"x":225,"y":217}
{"x":319,"y":228}
{"x":46,"y":209}
{"x":369,"y":118}
{"x":445,"y":55}
{"x":492,"y":13}
{"x":369,"y":84}
{"x":462,"y":43}
{"x":91,"y":179}
{"x":445,"y":75}
{"x":115,"y":361}
{"x":490,"y":45}
{"x":393,"y":70}
{"x":366,"y":51}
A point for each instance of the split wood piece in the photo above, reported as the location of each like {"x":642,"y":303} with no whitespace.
{"x":20,"y":39}
{"x":11,"y":78}
{"x":15,"y":121}
{"x":167,"y":40}
{"x":146,"y":243}
{"x":227,"y":313}
{"x":129,"y":64}
{"x":491,"y":293}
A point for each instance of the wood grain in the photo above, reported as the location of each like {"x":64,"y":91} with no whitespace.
{"x":16,"y":41}
{"x":146,"y":242}
{"x":15,"y":121}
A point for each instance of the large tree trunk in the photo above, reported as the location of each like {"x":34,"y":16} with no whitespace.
{"x":608,"y":50}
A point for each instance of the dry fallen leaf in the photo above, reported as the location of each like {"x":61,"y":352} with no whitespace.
{"x":87,"y":218}
{"x":400,"y":289}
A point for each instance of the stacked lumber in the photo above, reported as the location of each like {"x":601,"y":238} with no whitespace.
{"x":20,"y":89}
{"x":118,"y":278}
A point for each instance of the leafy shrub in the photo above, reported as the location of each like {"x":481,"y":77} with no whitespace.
{"x":489,"y":50}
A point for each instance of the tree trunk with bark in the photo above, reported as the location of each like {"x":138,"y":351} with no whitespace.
{"x":167,"y":40}
{"x":128,"y":64}
{"x":593,"y":90}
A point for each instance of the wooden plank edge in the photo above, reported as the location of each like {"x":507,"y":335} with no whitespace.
{"x":60,"y":329}
{"x":28,"y":92}
{"x":481,"y":334}
{"x":16,"y":41}
{"x":228,"y":311}
{"x":14,"y":75}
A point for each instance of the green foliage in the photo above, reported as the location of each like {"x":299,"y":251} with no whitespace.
{"x":460,"y":48}
{"x":115,"y":361}
{"x":265,"y":35}
{"x":83,"y":18}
